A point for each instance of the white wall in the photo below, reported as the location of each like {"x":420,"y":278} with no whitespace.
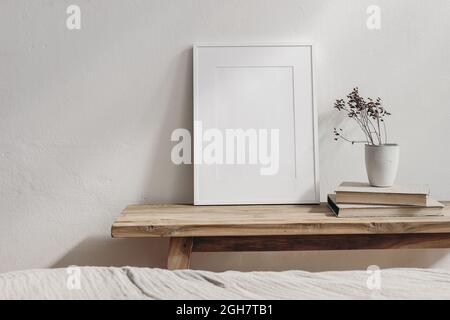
{"x":86,"y":116}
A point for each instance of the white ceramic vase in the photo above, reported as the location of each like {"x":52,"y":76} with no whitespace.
{"x":382,"y":164}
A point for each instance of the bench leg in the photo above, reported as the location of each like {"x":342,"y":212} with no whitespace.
{"x":180,"y":250}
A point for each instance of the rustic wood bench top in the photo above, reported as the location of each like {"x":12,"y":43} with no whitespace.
{"x":271,"y":228}
{"x":203,"y":221}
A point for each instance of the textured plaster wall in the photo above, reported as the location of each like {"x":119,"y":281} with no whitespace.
{"x":86,"y":115}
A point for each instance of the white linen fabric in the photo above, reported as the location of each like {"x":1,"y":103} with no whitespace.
{"x":146,"y":283}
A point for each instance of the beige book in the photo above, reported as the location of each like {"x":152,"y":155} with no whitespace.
{"x":363,"y":193}
{"x":432,"y":208}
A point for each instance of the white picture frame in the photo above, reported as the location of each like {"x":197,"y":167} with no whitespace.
{"x":255,"y":89}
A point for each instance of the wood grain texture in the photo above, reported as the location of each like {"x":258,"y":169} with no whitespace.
{"x":322,"y":242}
{"x":180,"y":250}
{"x":194,"y":221}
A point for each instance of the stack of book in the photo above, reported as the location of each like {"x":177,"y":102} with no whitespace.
{"x":355,"y":199}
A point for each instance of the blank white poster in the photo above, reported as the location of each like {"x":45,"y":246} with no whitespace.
{"x":254,"y":125}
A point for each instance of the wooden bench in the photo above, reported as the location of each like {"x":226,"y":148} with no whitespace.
{"x":274,"y":228}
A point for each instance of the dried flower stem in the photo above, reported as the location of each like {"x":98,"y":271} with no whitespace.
{"x":368,"y":115}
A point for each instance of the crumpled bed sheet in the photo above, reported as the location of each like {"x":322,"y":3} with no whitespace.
{"x":147,"y":283}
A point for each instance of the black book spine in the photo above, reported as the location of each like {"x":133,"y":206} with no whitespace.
{"x":333,"y":206}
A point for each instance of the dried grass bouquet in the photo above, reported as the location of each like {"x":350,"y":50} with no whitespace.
{"x":368,"y":113}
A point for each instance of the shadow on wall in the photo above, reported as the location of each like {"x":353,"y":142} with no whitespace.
{"x":153,"y":253}
{"x":117,"y":252}
{"x":167,"y":181}
{"x":319,"y":261}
